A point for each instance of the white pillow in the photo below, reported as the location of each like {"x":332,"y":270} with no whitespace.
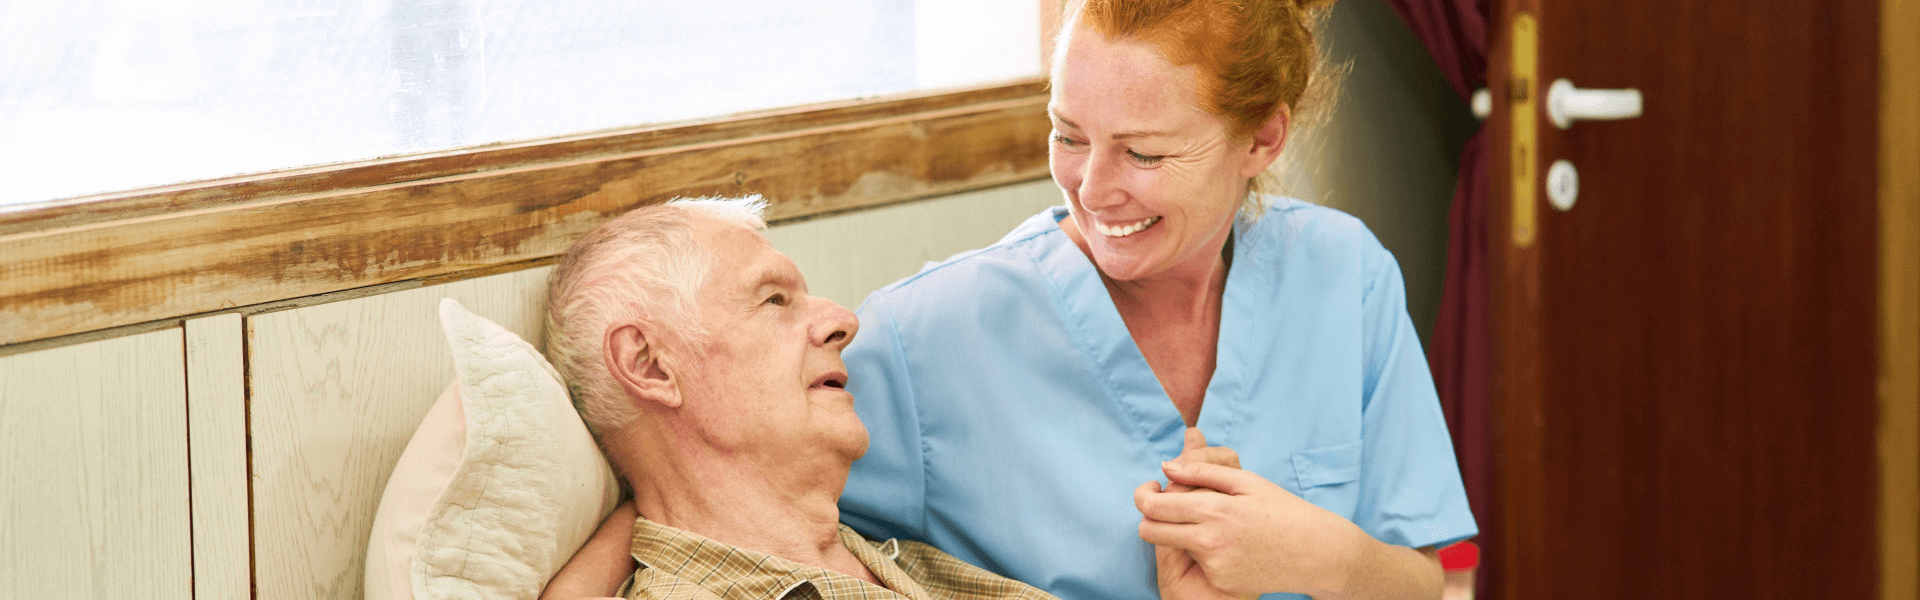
{"x":499,"y":485}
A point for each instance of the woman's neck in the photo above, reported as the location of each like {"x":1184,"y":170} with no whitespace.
{"x":1178,"y":296}
{"x":1188,"y":292}
{"x":1174,"y":319}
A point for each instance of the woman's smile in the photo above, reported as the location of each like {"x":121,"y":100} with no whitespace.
{"x":1124,"y":229}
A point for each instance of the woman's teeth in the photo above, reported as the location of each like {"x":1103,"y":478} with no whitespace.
{"x":1125,"y":230}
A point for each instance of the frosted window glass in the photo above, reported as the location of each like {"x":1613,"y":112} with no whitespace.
{"x":104,"y":95}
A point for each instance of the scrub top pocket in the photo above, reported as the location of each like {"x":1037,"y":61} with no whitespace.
{"x":1329,"y":477}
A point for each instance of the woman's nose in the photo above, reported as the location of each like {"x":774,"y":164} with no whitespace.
{"x":1098,"y":183}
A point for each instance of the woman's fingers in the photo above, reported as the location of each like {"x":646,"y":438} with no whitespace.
{"x":1180,"y":536}
{"x":1176,"y":507}
{"x":1227,"y":480}
{"x":1198,"y":539}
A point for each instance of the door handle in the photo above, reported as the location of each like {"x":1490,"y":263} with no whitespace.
{"x":1566,"y":104}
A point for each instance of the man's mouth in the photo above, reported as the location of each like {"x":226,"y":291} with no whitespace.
{"x":1124,"y":230}
{"x":835,"y":380}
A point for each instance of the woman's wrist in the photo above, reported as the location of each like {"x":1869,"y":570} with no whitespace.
{"x":1358,"y":555}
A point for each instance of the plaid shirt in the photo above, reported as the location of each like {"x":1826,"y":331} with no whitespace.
{"x":680,"y":565}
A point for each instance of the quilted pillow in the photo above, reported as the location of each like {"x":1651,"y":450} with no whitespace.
{"x":499,"y":485}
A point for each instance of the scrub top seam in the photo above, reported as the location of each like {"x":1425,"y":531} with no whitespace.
{"x":1083,"y":338}
{"x":913,"y":403}
{"x":1370,"y":379}
{"x":1234,"y":388}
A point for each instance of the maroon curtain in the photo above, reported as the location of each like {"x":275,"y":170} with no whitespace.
{"x":1455,"y":32}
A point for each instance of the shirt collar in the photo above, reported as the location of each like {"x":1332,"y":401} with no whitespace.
{"x":880,"y":558}
{"x":748,"y":575}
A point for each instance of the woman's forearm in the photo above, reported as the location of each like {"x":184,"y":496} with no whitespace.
{"x":1382,"y":571}
{"x":601,"y":565}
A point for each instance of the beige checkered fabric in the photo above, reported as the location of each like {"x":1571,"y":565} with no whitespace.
{"x":680,"y":565}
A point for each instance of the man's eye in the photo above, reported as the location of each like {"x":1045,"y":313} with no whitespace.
{"x":777,"y":299}
{"x":1144,"y":159}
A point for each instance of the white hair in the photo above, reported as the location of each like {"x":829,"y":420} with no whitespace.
{"x":645,"y":265}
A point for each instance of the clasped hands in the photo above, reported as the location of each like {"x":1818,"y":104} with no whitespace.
{"x":1222,"y":532}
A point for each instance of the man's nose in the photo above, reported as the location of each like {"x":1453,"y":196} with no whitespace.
{"x":835,"y":325}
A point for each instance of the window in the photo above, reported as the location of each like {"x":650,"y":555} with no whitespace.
{"x":108,"y":95}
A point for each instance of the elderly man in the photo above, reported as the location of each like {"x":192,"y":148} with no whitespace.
{"x":714,"y":383}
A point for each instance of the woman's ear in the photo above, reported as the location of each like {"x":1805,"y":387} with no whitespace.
{"x":1268,"y":141}
{"x":634,"y":361}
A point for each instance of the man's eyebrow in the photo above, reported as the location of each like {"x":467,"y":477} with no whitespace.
{"x":770,"y":274}
{"x":1124,"y":135}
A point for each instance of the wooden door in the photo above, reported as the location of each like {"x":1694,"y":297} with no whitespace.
{"x":1685,"y":361}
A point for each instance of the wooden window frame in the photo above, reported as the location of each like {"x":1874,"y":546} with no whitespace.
{"x":150,"y":258}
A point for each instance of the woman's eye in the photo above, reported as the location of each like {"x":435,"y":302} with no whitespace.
{"x":777,"y":300}
{"x":1063,"y":140}
{"x":1147,"y":160}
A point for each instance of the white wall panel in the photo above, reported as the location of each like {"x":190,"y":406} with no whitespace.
{"x":217,"y":450}
{"x":336,"y":391}
{"x":93,"y":470}
{"x":844,"y":257}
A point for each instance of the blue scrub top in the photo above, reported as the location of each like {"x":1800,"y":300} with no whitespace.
{"x":1011,"y":415}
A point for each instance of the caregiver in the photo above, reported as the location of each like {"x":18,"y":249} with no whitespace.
{"x":1018,"y":396}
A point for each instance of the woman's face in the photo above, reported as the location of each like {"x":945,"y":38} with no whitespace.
{"x":1152,"y":180}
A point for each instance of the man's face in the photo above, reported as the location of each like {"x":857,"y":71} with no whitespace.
{"x":771,"y":381}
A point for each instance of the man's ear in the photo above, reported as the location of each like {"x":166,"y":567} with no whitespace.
{"x":1268,"y":141}
{"x":634,"y":360}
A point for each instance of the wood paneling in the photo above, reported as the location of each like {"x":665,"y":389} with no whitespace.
{"x":93,"y":471}
{"x":1899,"y":450}
{"x":217,"y":451}
{"x":193,"y":249}
{"x":336,"y":391}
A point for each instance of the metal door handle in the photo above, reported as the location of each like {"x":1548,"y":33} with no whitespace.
{"x":1566,"y":104}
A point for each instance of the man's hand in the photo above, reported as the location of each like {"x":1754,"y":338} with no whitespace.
{"x":1181,"y":578}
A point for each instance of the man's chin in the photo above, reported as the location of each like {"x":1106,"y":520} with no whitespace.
{"x":861,"y":448}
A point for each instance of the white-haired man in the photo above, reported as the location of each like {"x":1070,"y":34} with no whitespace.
{"x":715,"y":385}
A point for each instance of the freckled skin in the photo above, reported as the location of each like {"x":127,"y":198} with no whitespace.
{"x":1131,"y":144}
{"x":1186,"y":170}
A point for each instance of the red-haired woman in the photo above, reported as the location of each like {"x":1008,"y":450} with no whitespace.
{"x":1017,"y":397}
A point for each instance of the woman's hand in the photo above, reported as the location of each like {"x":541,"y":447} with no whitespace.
{"x":1218,"y":530}
{"x":1247,"y":534}
{"x":602,"y":564}
{"x":1181,"y":578}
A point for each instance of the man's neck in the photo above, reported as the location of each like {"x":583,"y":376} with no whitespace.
{"x":793,"y":514}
